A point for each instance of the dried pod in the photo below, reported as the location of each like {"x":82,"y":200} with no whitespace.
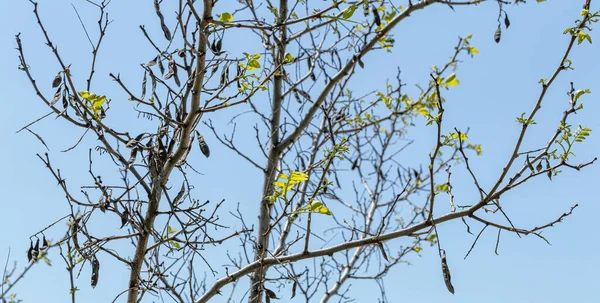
{"x":356,"y":163}
{"x":35,"y":251}
{"x":219,"y":45}
{"x":179,"y":195}
{"x":506,"y":21}
{"x":57,"y":96}
{"x":144,"y":86}
{"x":45,"y":243}
{"x":203,"y":146}
{"x":57,"y":80}
{"x":376,"y":17}
{"x":181,"y":53}
{"x":270,"y":295}
{"x":294,"y":289}
{"x":65,"y":102}
{"x":382,"y":249}
{"x":124,"y":217}
{"x":161,"y":67}
{"x":529,"y":165}
{"x":152,"y":62}
{"x":30,"y":251}
{"x":95,"y":271}
{"x":446,"y":272}
{"x":497,"y":34}
{"x":224,"y":75}
{"x":539,"y":166}
{"x":164,"y":27}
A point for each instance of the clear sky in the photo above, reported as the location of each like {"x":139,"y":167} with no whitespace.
{"x":496,"y":86}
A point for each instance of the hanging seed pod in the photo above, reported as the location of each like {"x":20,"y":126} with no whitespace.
{"x":179,"y":195}
{"x":30,"y":251}
{"x":529,"y":165}
{"x":270,"y":295}
{"x":181,"y":53}
{"x":549,"y":173}
{"x":506,"y":21}
{"x":219,"y":45}
{"x":446,"y":273}
{"x":297,"y":96}
{"x":238,"y":76}
{"x":57,"y":80}
{"x":45,"y":243}
{"x":161,"y":67}
{"x":57,"y":96}
{"x":164,"y":27}
{"x":95,"y":271}
{"x":356,"y":163}
{"x":539,"y":166}
{"x":203,"y":146}
{"x":382,"y":249}
{"x":153,"y":78}
{"x":144,"y":86}
{"x":36,"y":250}
{"x":65,"y":102}
{"x":497,"y":34}
{"x":152,"y":62}
{"x":376,"y":18}
{"x":294,"y":289}
{"x":224,"y":75}
{"x":124,"y":217}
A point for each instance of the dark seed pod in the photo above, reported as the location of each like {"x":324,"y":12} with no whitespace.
{"x":270,"y":294}
{"x":539,"y":166}
{"x":161,"y":67}
{"x":376,"y":17}
{"x":356,"y":163}
{"x":124,"y":217}
{"x":297,"y":96}
{"x":95,"y":271}
{"x":219,"y":45}
{"x":506,"y":21}
{"x":382,"y":249}
{"x":203,"y":146}
{"x":164,"y":27}
{"x":30,"y":251}
{"x":446,"y":272}
{"x":65,"y":102}
{"x":152,"y":62}
{"x":181,"y":53}
{"x":57,"y":96}
{"x":144,"y":86}
{"x":57,"y":80}
{"x":529,"y":165}
{"x":294,"y":289}
{"x":497,"y":34}
{"x":45,"y":243}
{"x":35,"y":252}
{"x":224,"y":75}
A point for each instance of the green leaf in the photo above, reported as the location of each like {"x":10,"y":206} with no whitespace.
{"x":226,"y":17}
{"x":84,"y":95}
{"x":253,"y":64}
{"x":451,"y":80}
{"x":583,"y":36}
{"x":289,"y":58}
{"x":349,"y":12}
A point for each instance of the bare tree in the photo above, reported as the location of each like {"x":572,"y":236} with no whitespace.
{"x":322,"y":149}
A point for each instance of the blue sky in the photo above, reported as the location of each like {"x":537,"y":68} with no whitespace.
{"x":496,"y":87}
